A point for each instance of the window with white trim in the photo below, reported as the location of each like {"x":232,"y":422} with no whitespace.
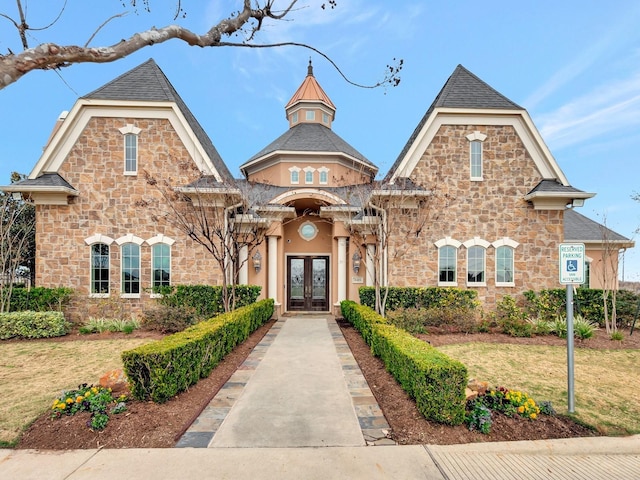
{"x":308,"y":175}
{"x":447,"y":261}
{"x":325,"y":118}
{"x":130,"y":268}
{"x":130,"y":133}
{"x":100,"y":269}
{"x":130,"y":153}
{"x":311,"y":115}
{"x":504,"y":266}
{"x":475,"y":154}
{"x":294,"y":117}
{"x":323,"y":175}
{"x":161,"y":265}
{"x":476,"y":160}
{"x":295,"y":175}
{"x":476,"y":258}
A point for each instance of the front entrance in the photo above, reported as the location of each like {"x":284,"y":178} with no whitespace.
{"x":308,"y":283}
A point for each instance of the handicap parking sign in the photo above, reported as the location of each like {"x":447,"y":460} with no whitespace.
{"x":571,"y":263}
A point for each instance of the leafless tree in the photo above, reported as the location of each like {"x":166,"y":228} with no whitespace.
{"x":246,"y":22}
{"x":394,"y":218}
{"x":608,"y":271}
{"x":16,"y":232}
{"x":222,"y":217}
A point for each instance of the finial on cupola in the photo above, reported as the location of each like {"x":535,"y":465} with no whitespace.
{"x":310,"y":68}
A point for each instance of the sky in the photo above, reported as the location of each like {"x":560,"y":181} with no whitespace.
{"x":573,"y":65}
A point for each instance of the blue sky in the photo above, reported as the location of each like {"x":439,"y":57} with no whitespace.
{"x":574,"y":65}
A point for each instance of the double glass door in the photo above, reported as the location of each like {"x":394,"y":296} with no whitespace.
{"x":308,"y":283}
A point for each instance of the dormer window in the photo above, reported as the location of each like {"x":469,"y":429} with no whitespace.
{"x":323,"y":175}
{"x":295,"y":175}
{"x":308,"y":175}
{"x":130,"y":133}
{"x":475,"y":154}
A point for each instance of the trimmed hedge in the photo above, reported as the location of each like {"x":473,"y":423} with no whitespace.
{"x":207,"y":299}
{"x":33,"y":325}
{"x":420,"y":297}
{"x":39,"y":299}
{"x":588,"y":302}
{"x":435,"y":381}
{"x":162,"y":369}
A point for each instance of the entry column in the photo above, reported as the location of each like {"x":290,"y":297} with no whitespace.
{"x":342,"y":269}
{"x":272,"y":252}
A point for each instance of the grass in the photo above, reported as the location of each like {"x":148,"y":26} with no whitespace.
{"x":32,"y":374}
{"x":604,"y":380}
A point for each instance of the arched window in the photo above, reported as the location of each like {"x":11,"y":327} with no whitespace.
{"x":504,"y":265}
{"x":130,"y":133}
{"x":100,"y":269}
{"x":475,"y":154}
{"x":476,"y":265}
{"x":161,"y":260}
{"x":130,"y":269}
{"x":447,"y":261}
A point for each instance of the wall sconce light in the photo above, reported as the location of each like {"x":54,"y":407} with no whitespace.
{"x":356,"y":261}
{"x":257,"y":261}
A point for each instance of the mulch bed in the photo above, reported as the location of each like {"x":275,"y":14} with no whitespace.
{"x":151,"y":425}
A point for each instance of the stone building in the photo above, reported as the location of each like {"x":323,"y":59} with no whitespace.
{"x":474,"y":200}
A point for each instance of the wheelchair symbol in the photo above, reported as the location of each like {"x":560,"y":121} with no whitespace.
{"x":572,"y":265}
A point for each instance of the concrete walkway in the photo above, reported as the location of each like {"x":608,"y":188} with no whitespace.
{"x":300,"y":387}
{"x":299,"y":408}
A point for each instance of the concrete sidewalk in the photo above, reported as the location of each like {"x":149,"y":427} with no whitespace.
{"x":582,"y":458}
{"x":300,"y":408}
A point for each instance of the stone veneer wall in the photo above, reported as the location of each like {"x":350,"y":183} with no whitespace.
{"x":113,"y":204}
{"x":490,"y":209}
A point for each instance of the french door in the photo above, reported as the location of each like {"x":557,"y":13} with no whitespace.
{"x":308,"y":283}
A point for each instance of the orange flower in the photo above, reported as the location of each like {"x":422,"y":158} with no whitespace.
{"x":520,"y":409}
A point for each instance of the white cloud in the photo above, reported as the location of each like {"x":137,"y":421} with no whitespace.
{"x":611,"y":107}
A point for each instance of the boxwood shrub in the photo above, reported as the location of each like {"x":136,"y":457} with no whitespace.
{"x":207,"y":299}
{"x":435,"y":381}
{"x":421,"y":297}
{"x":33,"y":325}
{"x":588,"y":302}
{"x":162,"y":369}
{"x":39,"y":299}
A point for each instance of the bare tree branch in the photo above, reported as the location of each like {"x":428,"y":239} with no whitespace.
{"x":53,"y":56}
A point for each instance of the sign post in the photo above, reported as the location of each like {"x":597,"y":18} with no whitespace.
{"x":571,"y":272}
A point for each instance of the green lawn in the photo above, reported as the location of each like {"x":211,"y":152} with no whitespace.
{"x":606,"y":381}
{"x":33,"y":373}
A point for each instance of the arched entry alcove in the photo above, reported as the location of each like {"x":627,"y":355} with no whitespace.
{"x":310,"y":250}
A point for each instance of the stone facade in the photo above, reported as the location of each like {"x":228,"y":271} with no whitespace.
{"x":114,"y":204}
{"x":490,"y":209}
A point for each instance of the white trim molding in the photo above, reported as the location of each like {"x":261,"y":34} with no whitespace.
{"x":448,"y":241}
{"x":98,"y":238}
{"x":129,"y":238}
{"x":476,"y":242}
{"x":476,"y":136}
{"x":505,"y":241}
{"x":160,"y":238}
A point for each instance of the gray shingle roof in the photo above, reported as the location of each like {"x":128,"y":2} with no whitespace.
{"x":310,"y":137}
{"x":148,"y":83}
{"x":262,"y":193}
{"x":43,"y":181}
{"x":462,"y":90}
{"x":552,"y":185}
{"x":577,"y":227}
